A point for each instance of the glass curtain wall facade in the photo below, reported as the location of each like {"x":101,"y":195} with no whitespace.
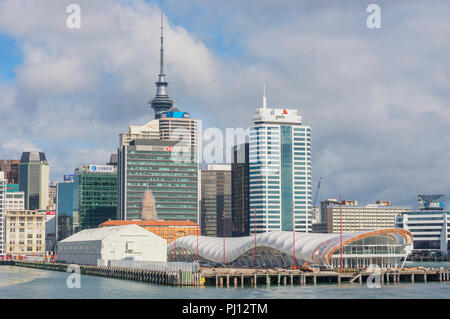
{"x":216,"y":202}
{"x":94,"y":199}
{"x":166,"y":168}
{"x":240,"y":193}
{"x":64,"y":210}
{"x":280,"y":172}
{"x":34,"y":180}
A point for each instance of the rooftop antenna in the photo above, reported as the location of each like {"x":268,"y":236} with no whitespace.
{"x":264,"y":97}
{"x":161,"y":71}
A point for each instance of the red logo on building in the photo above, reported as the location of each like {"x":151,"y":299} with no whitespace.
{"x":169,"y":148}
{"x":285,"y":111}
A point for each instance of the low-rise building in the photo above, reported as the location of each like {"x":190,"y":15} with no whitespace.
{"x":353,"y":217}
{"x":50,"y":231}
{"x":15,"y":200}
{"x":25,"y":233}
{"x":97,"y":246}
{"x":429,"y":224}
{"x":167,"y":229}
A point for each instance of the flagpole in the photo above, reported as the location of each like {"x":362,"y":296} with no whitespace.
{"x":255,"y":235}
{"x":340,"y":217}
{"x":223,"y":222}
{"x":293,"y":233}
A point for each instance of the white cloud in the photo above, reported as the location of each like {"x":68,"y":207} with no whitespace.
{"x":377,"y":100}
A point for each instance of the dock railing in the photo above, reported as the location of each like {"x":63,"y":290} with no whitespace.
{"x":156,"y":265}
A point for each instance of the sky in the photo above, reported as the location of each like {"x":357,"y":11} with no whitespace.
{"x":377,"y":100}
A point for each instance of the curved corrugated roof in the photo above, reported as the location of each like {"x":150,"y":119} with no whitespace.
{"x":311,"y":247}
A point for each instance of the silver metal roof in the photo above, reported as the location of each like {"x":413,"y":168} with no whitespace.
{"x":311,"y":247}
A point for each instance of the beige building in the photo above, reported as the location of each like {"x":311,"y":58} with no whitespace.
{"x":147,"y":131}
{"x":357,"y":217}
{"x":15,"y":201}
{"x":178,"y":128}
{"x":25,"y":232}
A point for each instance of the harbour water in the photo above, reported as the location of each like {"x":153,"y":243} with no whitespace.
{"x":18,"y":282}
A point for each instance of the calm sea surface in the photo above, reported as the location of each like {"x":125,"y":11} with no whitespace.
{"x":18,"y":282}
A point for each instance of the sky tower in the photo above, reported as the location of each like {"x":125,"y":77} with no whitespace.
{"x":161,"y":102}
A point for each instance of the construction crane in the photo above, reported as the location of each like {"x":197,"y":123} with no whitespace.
{"x":317,"y":193}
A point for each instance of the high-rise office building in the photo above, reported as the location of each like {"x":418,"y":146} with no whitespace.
{"x":34,"y":180}
{"x":280,"y":171}
{"x":2,"y":214}
{"x":151,"y":157}
{"x":94,"y":196}
{"x":112,"y":160}
{"x":165,"y":168}
{"x":11,"y":170}
{"x":64,"y":210}
{"x":215,"y":208}
{"x":240,"y":193}
{"x":177,"y":125}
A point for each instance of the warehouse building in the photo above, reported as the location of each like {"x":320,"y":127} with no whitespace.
{"x":99,"y":245}
{"x":167,"y":229}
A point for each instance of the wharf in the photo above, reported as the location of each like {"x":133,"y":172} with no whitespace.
{"x":240,"y":277}
{"x":235,"y":277}
{"x":180,"y":278}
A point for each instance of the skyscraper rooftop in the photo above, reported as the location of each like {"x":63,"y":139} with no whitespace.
{"x":33,"y":157}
